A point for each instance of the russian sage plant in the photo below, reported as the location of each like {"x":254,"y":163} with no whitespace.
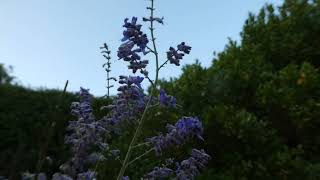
{"x":88,"y":137}
{"x":136,"y":44}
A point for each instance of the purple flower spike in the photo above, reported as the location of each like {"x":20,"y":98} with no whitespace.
{"x":135,"y":42}
{"x":85,"y":134}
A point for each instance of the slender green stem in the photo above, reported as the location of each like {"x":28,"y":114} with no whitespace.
{"x":137,"y":158}
{"x":162,"y":65}
{"x":151,"y":82}
{"x":140,"y":125}
{"x":141,"y":144}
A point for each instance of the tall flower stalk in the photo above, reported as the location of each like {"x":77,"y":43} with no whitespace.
{"x":154,"y":85}
{"x":107,"y":66}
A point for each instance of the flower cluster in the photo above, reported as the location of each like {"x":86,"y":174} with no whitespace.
{"x":183,"y":130}
{"x":174,"y":56}
{"x":191,"y":167}
{"x":86,"y":134}
{"x":166,"y":100}
{"x":159,"y":173}
{"x":186,"y":170}
{"x":129,"y":102}
{"x":135,"y":41}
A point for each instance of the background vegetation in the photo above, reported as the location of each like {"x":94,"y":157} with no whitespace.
{"x":259,"y":101}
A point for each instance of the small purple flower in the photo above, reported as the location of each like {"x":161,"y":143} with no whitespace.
{"x":166,"y":100}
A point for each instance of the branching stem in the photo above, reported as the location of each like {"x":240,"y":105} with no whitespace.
{"x":137,"y":158}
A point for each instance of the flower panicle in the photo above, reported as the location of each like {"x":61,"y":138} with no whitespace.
{"x":84,"y":135}
{"x":134,"y":44}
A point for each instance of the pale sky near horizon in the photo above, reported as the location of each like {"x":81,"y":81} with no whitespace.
{"x":51,"y":41}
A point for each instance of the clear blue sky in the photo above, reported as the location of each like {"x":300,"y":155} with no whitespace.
{"x":51,"y":41}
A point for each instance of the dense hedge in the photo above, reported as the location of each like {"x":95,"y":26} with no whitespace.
{"x":259,"y":101}
{"x":32,"y":126}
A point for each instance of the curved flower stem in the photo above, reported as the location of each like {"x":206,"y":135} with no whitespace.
{"x":140,"y":125}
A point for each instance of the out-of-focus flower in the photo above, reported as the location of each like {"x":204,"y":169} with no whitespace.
{"x":89,"y":175}
{"x":190,"y":168}
{"x":184,"y":48}
{"x":59,"y":176}
{"x":159,"y":173}
{"x":166,"y":100}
